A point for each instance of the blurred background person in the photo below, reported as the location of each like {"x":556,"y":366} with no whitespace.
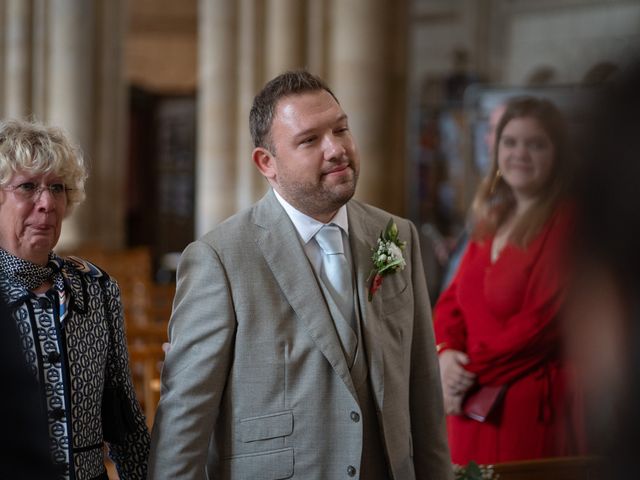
{"x":603,"y":311}
{"x":495,"y":115}
{"x":67,"y":311}
{"x":496,"y":324}
{"x":461,"y":242}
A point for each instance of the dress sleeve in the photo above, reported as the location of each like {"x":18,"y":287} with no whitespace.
{"x":449,"y":322}
{"x":131,"y":455}
{"x":531,"y":336}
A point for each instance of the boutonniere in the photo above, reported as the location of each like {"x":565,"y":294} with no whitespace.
{"x":387,"y":257}
{"x":473,"y":471}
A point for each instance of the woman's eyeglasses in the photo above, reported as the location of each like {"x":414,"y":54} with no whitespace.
{"x":32,"y":191}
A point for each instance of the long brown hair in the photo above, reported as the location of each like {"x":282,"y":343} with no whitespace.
{"x":494,"y":200}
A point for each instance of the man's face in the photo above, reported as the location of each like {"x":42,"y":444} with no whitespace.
{"x":314,"y":164}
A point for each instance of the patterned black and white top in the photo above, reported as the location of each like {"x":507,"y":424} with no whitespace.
{"x":74,"y":341}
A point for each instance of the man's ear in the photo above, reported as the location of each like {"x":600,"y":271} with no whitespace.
{"x":265,"y":162}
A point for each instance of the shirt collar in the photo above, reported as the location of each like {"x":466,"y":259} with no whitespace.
{"x":306,"y":226}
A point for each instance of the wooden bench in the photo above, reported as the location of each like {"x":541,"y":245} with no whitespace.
{"x":561,"y":468}
{"x":149,"y":358}
{"x":147,"y":308}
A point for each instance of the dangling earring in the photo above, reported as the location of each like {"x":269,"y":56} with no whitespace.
{"x":495,"y":181}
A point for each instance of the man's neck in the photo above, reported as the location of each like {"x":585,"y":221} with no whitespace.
{"x":322,"y":217}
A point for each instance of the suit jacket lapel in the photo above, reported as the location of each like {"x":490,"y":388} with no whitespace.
{"x":281,"y":247}
{"x":362,"y":239}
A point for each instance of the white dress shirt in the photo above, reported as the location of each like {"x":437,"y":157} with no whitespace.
{"x":307,"y":227}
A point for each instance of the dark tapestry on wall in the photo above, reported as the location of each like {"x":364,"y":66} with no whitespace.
{"x":161,"y":175}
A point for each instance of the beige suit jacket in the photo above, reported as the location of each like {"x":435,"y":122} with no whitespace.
{"x":256,"y":385}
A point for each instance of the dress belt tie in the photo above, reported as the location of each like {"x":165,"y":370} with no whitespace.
{"x":546,"y":406}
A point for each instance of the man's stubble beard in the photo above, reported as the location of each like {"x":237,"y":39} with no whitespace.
{"x":312,"y":200}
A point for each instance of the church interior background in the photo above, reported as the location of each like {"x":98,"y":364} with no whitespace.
{"x":157,"y":94}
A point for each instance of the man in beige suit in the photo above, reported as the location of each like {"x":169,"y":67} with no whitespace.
{"x":276,"y":369}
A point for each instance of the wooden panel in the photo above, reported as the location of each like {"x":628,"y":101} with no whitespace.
{"x":571,"y":468}
{"x":149,"y":360}
{"x":147,"y":308}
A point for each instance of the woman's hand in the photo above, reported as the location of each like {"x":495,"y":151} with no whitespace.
{"x":456,"y":380}
{"x":453,"y":404}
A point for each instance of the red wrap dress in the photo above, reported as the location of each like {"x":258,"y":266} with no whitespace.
{"x":504,"y":315}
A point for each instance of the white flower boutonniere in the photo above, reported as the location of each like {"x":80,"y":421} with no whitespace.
{"x":387,"y":257}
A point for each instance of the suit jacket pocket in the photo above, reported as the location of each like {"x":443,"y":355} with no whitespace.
{"x":392,"y":286}
{"x":271,"y":465}
{"x":396,"y":299}
{"x":264,"y":427}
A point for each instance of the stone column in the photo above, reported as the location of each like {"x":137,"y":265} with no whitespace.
{"x":358,"y":75}
{"x":285,"y":38}
{"x":250,"y":184}
{"x":17,"y":82}
{"x":40,"y":61}
{"x":109,"y":152}
{"x":215,"y":169}
{"x":317,"y":17}
{"x":70,"y":95}
{"x":3,"y":58}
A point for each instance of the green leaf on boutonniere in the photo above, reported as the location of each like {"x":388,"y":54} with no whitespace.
{"x":473,"y":471}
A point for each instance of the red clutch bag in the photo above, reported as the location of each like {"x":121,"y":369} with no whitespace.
{"x":479,"y":404}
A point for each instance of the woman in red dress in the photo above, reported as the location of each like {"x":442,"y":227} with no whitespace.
{"x":503,"y":377}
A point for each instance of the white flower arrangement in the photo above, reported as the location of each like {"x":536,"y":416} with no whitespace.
{"x":387,"y":257}
{"x":473,"y":471}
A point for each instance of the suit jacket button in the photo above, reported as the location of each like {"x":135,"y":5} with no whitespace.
{"x":53,"y":357}
{"x":58,"y":414}
{"x":351,"y":471}
{"x":355,"y":416}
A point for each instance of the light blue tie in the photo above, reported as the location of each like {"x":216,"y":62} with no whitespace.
{"x":335,"y":270}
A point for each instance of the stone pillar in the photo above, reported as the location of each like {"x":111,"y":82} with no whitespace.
{"x":3,"y":52}
{"x":110,"y":117}
{"x":17,"y":27}
{"x":317,"y":37}
{"x":358,"y":73}
{"x":285,"y":38}
{"x":250,"y":184}
{"x":70,"y":95}
{"x":40,"y":61}
{"x":215,"y":163}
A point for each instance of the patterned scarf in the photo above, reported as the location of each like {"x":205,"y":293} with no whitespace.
{"x":31,"y":275}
